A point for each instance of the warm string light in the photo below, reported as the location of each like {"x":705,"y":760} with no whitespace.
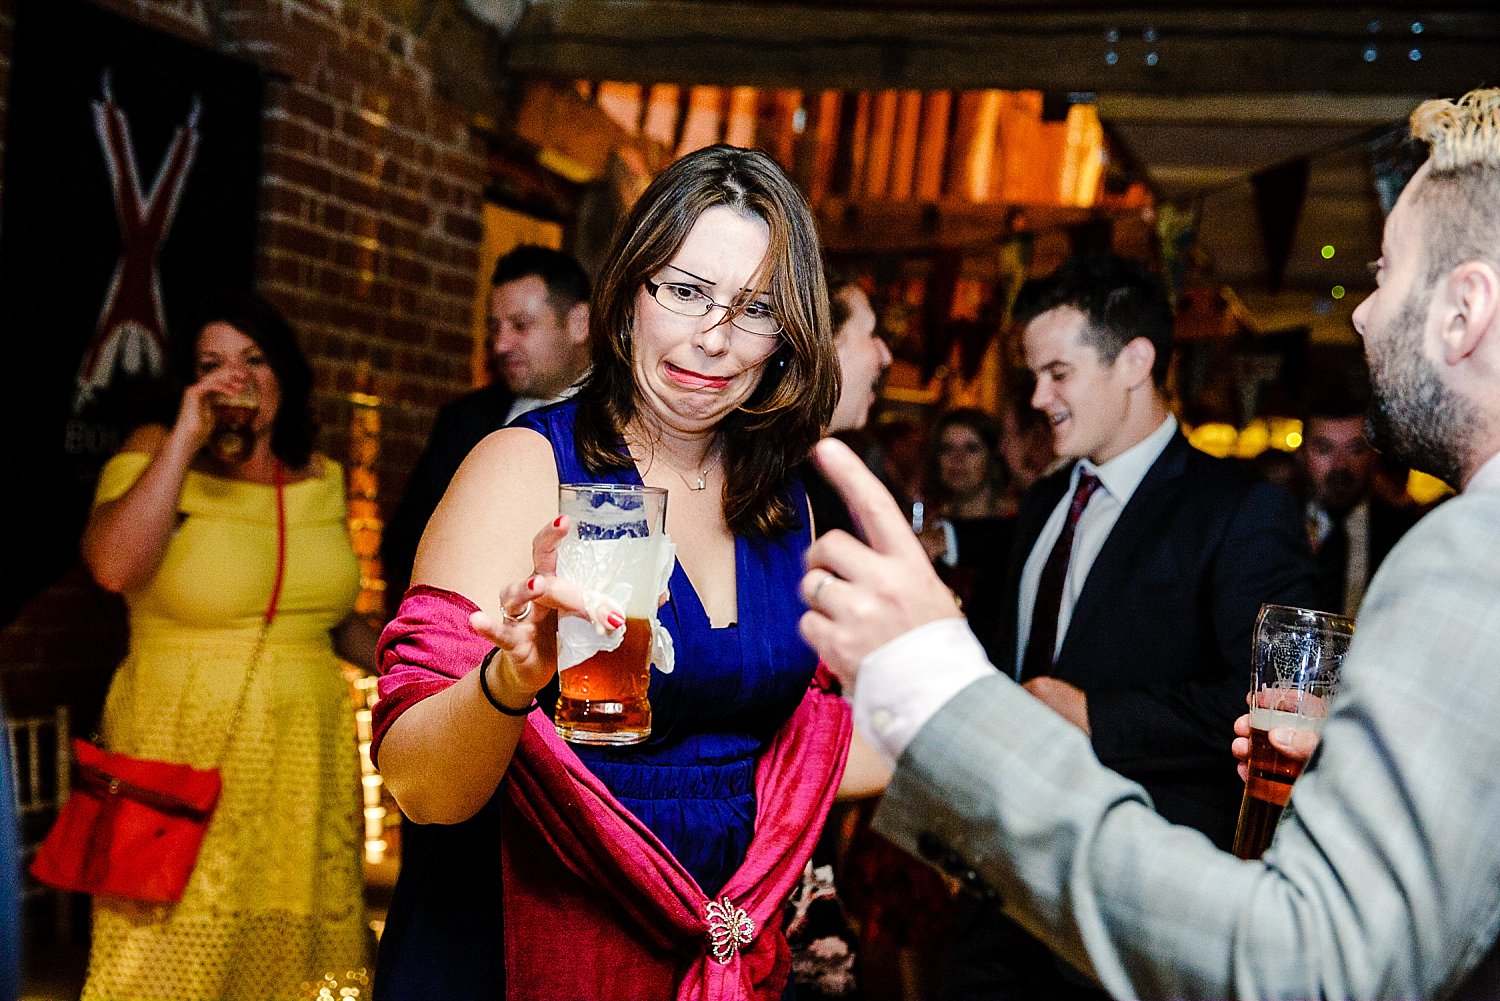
{"x":365,"y":527}
{"x":371,"y":785}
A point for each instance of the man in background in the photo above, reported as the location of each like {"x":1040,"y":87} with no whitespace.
{"x":539,"y":349}
{"x":1138,"y":570}
{"x":1349,"y":527}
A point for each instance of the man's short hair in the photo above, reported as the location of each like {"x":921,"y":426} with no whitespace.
{"x":1460,"y":196}
{"x":567,"y":283}
{"x":1122,"y":300}
{"x":838,"y":309}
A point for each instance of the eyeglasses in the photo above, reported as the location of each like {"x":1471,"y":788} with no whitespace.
{"x":689,"y":300}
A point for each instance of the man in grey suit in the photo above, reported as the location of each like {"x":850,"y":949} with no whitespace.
{"x":1384,"y":880}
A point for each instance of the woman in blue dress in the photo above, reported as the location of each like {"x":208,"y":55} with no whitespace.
{"x":713,"y":373}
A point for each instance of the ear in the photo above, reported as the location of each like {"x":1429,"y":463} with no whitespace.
{"x":578,"y":323}
{"x":1473,"y":309}
{"x":1136,"y":359}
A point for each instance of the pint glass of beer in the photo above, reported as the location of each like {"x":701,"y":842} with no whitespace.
{"x":616,"y":545}
{"x":1298,"y":654}
{"x":234,"y":424}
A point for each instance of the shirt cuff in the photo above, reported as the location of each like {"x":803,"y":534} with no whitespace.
{"x":904,"y":683}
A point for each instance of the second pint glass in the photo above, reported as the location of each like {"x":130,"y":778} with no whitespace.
{"x":1298,"y":655}
{"x":614,"y":546}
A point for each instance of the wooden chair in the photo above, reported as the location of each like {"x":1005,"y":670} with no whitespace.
{"x":41,"y":758}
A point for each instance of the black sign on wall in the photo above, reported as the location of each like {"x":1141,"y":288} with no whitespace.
{"x":132,"y":162}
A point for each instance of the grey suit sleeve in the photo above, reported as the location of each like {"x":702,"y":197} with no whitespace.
{"x":1382,"y":880}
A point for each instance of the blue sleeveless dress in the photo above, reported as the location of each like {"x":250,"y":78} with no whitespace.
{"x":692,"y":782}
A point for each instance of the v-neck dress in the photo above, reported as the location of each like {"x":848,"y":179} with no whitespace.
{"x":692,"y":782}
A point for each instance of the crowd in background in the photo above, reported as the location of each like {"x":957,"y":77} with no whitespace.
{"x":968,"y":480}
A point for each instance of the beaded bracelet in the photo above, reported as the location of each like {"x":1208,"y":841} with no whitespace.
{"x":484,"y":686}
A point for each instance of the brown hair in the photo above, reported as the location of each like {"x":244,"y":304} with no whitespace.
{"x":771,"y":431}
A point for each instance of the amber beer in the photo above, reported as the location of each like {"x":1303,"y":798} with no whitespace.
{"x":1297,"y":655}
{"x":616,"y":545}
{"x":1269,"y":784}
{"x":603,"y":700}
{"x":233,"y":433}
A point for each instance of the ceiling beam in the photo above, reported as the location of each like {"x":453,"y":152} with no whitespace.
{"x":1204,"y":48}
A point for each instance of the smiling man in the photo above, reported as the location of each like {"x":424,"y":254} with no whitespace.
{"x":1138,"y":571}
{"x":539,"y":348}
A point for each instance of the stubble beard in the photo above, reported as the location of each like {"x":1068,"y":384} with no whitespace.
{"x":1414,"y":417}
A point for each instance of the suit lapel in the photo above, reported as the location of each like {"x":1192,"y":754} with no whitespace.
{"x":1141,"y":520}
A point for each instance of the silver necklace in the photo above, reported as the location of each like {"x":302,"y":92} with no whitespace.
{"x":700,"y":484}
{"x":702,"y":481}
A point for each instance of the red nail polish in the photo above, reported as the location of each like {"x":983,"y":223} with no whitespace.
{"x":531,"y":584}
{"x":558,"y":522}
{"x":615,"y":620}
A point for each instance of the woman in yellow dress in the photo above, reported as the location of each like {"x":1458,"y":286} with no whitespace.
{"x":189,"y":535}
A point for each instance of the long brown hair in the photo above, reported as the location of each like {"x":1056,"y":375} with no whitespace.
{"x":775,"y":427}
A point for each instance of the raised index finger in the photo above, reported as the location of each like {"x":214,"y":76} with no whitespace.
{"x":873,"y":508}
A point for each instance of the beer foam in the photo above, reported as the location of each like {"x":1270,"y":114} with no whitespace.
{"x":1270,"y":719}
{"x":624,"y":569}
{"x":632,"y":572}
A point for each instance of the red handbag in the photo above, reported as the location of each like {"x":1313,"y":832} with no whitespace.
{"x":132,"y":827}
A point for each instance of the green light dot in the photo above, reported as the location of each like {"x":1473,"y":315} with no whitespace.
{"x":1338,"y":292}
{"x":1328,"y":252}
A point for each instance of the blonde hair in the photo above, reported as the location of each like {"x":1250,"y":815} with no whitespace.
{"x":1461,"y":132}
{"x":1459,"y":199}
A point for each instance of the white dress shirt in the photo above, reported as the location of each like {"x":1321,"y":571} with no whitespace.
{"x":526,"y":404}
{"x":1357,"y":557}
{"x":1487,"y":477}
{"x":1118,"y":480}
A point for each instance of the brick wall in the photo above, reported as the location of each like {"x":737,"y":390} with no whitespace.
{"x":370,"y":207}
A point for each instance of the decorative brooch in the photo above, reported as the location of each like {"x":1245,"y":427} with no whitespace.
{"x":729,"y":929}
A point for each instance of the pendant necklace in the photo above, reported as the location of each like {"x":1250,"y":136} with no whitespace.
{"x":696,"y":485}
{"x":702,"y":481}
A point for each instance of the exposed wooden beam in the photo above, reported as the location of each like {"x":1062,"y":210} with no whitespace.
{"x":904,"y":152}
{"x":882,"y":142}
{"x":880,"y":227}
{"x":1204,"y":48}
{"x":936,"y":110}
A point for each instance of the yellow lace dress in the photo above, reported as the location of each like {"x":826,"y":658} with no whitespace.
{"x":275,"y":902}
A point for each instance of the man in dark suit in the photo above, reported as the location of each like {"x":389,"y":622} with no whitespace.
{"x":1349,"y":527}
{"x":539,"y":348}
{"x":1136,"y":577}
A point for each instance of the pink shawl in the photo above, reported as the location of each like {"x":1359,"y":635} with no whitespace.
{"x":595,"y":906}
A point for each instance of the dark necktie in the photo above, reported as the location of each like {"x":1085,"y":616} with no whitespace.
{"x":1049,"y":589}
{"x":1332,"y":553}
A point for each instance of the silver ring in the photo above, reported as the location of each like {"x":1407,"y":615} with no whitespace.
{"x":812,"y":597}
{"x":507,"y":616}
